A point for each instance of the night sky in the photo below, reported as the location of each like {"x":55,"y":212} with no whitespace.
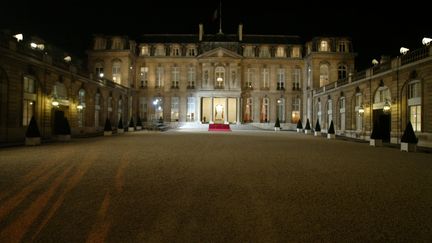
{"x":375,"y":29}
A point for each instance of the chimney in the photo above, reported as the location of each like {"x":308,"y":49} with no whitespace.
{"x":240,"y":32}
{"x":201,"y":32}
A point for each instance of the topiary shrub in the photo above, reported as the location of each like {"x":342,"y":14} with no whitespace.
{"x":299,"y":124}
{"x":331,"y":128}
{"x":317,"y":126}
{"x":277,"y":124}
{"x":108,"y":126}
{"x":409,"y":135}
{"x":32,"y":129}
{"x":307,"y":127}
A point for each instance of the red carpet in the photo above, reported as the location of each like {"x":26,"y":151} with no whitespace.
{"x":219,"y":127}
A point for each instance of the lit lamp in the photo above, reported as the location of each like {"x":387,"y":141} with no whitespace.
{"x":101,"y":75}
{"x":278,"y":101}
{"x":55,"y":102}
{"x":375,"y":62}
{"x":361,"y":110}
{"x":80,"y":107}
{"x":386,"y":107}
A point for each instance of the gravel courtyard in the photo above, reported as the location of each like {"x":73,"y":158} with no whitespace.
{"x":242,"y":186}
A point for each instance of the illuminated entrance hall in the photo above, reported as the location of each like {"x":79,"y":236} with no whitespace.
{"x":220,"y":110}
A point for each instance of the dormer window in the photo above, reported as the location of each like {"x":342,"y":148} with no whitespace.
{"x":324,"y":46}
{"x":248,"y":51}
{"x":99,"y":44}
{"x":191,"y":51}
{"x":295,"y":52}
{"x":264,"y":52}
{"x":145,"y":51}
{"x":160,"y":50}
{"x":117,"y":44}
{"x":343,"y":46}
{"x":175,"y":51}
{"x":280,"y":51}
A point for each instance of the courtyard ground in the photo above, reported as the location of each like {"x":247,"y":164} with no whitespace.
{"x":242,"y":186}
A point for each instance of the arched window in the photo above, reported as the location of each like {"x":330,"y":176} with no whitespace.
{"x":99,"y":69}
{"x":265,"y":110}
{"x":342,"y":72}
{"x":248,"y":110}
{"x":116,"y":72}
{"x":324,"y":46}
{"x":281,"y":109}
{"x":29,"y":99}
{"x":415,"y":105}
{"x":81,"y":107}
{"x":329,"y":112}
{"x":324,"y":74}
{"x":220,"y":77}
{"x":342,"y":113}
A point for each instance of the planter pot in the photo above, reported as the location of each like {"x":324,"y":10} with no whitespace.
{"x":375,"y":142}
{"x":317,"y":134}
{"x":63,"y":137}
{"x":131,"y":129}
{"x":33,"y":141}
{"x":299,"y":130}
{"x":277,"y":128}
{"x":307,"y":131}
{"x":139,"y":128}
{"x":120,"y":130}
{"x":331,"y":136}
{"x":107,"y":133}
{"x":408,"y":147}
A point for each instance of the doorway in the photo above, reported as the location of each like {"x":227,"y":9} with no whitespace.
{"x":384,"y":123}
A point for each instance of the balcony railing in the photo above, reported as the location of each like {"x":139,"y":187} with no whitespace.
{"x":381,"y":67}
{"x":416,"y":55}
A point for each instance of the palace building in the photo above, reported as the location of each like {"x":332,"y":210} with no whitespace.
{"x":201,"y":78}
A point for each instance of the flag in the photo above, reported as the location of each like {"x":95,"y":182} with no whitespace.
{"x":215,"y":14}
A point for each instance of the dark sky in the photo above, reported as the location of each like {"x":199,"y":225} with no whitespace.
{"x":375,"y":28}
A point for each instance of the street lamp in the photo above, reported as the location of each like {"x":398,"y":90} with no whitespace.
{"x":361,"y":110}
{"x":403,"y":50}
{"x":386,"y":107}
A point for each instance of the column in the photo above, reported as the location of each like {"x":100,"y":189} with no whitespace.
{"x":212,"y":111}
{"x":226,"y":111}
{"x":238,"y":110}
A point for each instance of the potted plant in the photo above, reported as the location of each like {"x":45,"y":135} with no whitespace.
{"x":307,"y":127}
{"x":317,"y":128}
{"x":107,"y":128}
{"x":375,"y":137}
{"x":33,"y":136}
{"x":331,"y":131}
{"x":409,"y":140}
{"x":131,"y":127}
{"x":64,"y":131}
{"x":299,"y":126}
{"x":277,"y":125}
{"x":138,"y":124}
{"x":120,"y":128}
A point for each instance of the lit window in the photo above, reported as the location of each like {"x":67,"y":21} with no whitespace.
{"x":264,"y":52}
{"x":116,"y":72}
{"x":324,"y":46}
{"x":295,"y":113}
{"x":81,"y":107}
{"x":280,"y":52}
{"x":145,"y":50}
{"x":324,"y":74}
{"x":190,"y":115}
{"x":174,"y":108}
{"x":99,"y":69}
{"x":265,"y":110}
{"x":220,"y":77}
{"x":415,"y":104}
{"x":281,"y":109}
{"x":248,"y":111}
{"x":295,"y":52}
{"x":144,"y":76}
{"x":266,"y":78}
{"x":359,"y":118}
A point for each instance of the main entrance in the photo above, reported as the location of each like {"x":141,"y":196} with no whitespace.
{"x":219,"y":110}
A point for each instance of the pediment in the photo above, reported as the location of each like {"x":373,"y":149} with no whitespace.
{"x":219,"y":52}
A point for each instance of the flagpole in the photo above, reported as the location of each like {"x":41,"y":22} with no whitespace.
{"x":220,"y":17}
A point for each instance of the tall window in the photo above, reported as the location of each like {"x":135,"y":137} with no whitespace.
{"x":281,"y":109}
{"x":175,"y":108}
{"x":343,"y":46}
{"x":319,"y":112}
{"x":358,"y":115}
{"x":250,"y":77}
{"x":295,"y":114}
{"x":97,"y":110}
{"x":415,"y":105}
{"x":206,"y":78}
{"x":324,"y":74}
{"x":220,"y":77}
{"x":342,"y":72}
{"x":296,"y":74}
{"x":144,"y":77}
{"x":145,"y":51}
{"x":280,"y":51}
{"x":295,"y":52}
{"x":159,"y":76}
{"x":175,"y":77}
{"x":175,"y":50}
{"x":116,"y":72}
{"x":248,"y":111}
{"x":324,"y":46}
{"x":99,"y":69}
{"x":143,"y":108}
{"x":281,"y":79}
{"x":191,"y":77}
{"x":29,"y":99}
{"x":264,"y":52}
{"x":265,"y":78}
{"x":342,"y":113}
{"x":158,"y":106}
{"x":329,"y":112}
{"x":309,"y":76}
{"x":265,"y":110}
{"x":81,"y":107}
{"x":190,"y":114}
